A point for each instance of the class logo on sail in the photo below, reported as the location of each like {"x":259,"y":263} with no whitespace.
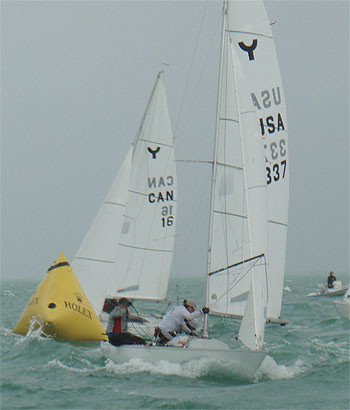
{"x":153,"y":152}
{"x":249,"y":48}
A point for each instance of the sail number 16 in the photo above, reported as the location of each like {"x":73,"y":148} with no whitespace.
{"x":168,"y":218}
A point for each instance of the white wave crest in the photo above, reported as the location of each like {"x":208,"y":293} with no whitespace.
{"x":9,"y":293}
{"x":58,"y":364}
{"x":273,"y":371}
{"x":192,"y":369}
{"x":35,"y":331}
{"x":203,"y":367}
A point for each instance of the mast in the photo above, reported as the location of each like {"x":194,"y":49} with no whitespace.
{"x":214,"y":164}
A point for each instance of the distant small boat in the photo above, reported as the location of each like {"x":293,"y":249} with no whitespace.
{"x":60,"y":308}
{"x":323,"y":290}
{"x":343,"y":306}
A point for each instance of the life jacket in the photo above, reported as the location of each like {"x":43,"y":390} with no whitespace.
{"x":117,"y":326}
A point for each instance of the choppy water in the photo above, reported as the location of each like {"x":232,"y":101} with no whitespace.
{"x":307,"y":366}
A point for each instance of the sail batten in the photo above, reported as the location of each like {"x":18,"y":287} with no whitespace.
{"x":146,"y":249}
{"x":229,"y":214}
{"x":155,"y":141}
{"x":95,"y":260}
{"x":250,"y":33}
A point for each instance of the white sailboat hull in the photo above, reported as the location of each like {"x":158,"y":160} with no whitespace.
{"x":244,"y":362}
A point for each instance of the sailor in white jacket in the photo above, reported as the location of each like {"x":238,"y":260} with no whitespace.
{"x":177,"y":320}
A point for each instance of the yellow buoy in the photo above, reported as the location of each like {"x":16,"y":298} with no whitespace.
{"x":60,"y":306}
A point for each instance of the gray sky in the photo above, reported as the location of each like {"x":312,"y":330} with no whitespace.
{"x":75,"y":80}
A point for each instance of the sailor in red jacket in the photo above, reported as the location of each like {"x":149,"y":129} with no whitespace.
{"x":117,"y":329}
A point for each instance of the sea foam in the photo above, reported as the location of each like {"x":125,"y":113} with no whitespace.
{"x":271,"y":370}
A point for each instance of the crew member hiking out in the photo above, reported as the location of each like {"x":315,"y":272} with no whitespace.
{"x":178,"y":319}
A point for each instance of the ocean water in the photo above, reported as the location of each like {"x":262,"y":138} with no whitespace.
{"x":307,"y":366}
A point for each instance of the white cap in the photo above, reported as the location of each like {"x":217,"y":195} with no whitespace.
{"x":191,"y":303}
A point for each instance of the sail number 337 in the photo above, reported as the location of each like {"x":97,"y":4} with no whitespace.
{"x":276,"y":170}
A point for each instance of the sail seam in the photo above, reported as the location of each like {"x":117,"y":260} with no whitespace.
{"x":114,"y":203}
{"x":95,"y":260}
{"x":248,"y":32}
{"x":229,"y":213}
{"x":228,"y":119}
{"x":229,"y":165}
{"x":145,"y":249}
{"x":156,"y":142}
{"x":278,"y":223}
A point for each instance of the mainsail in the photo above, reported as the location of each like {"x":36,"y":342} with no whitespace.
{"x":128,"y":249}
{"x":249,"y":213}
{"x":255,"y":48}
{"x":148,"y":233}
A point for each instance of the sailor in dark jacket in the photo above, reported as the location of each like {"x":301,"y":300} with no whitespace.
{"x":117,"y":329}
{"x":330,"y":280}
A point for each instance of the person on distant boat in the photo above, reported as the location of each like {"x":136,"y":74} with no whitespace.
{"x":178,"y":319}
{"x":117,"y":329}
{"x":330,"y":280}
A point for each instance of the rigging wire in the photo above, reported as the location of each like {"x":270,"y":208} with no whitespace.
{"x":178,"y":119}
{"x":200,"y":78}
{"x":191,"y":65}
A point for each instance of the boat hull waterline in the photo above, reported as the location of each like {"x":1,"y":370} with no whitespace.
{"x":245,"y":362}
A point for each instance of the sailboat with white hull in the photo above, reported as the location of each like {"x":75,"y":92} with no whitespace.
{"x":242,"y":203}
{"x":128,"y":249}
